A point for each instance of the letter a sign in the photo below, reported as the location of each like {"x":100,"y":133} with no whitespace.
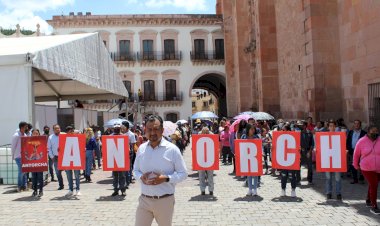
{"x":71,"y":154}
{"x":249,"y":157}
{"x":205,"y":151}
{"x":115,"y":153}
{"x":331,"y":151}
{"x":286,"y":150}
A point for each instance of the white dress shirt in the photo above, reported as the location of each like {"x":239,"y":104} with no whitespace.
{"x":53,"y":144}
{"x":165,"y":159}
{"x":16,"y":144}
{"x":131,"y":137}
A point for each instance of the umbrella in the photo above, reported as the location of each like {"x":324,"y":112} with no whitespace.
{"x":182,"y":121}
{"x":256,"y":115}
{"x":232,"y":129}
{"x":241,"y":116}
{"x":204,"y":114}
{"x":114,"y":121}
{"x":169,"y":128}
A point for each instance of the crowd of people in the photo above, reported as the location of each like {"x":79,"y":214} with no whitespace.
{"x":363,"y":150}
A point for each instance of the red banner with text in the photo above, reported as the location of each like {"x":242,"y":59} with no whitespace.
{"x":34,"y":154}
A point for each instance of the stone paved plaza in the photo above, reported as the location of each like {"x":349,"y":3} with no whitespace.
{"x":230,"y":206}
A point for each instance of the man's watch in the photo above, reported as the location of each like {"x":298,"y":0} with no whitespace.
{"x":167,"y":179}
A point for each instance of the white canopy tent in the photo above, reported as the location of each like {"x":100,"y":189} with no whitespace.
{"x":53,"y":68}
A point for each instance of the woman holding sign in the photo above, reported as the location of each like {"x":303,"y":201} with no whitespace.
{"x":206,"y":174}
{"x":251,"y":134}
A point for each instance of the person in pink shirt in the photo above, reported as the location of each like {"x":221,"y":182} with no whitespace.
{"x":367,"y":159}
{"x":226,"y":150}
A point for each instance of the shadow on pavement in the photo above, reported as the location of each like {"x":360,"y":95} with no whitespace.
{"x":64,"y":198}
{"x":27,"y":199}
{"x":363,"y":210}
{"x":204,"y":198}
{"x":108,"y":181}
{"x":111,"y":198}
{"x":193,"y":174}
{"x":249,"y":199}
{"x":10,"y":191}
{"x":334,"y":203}
{"x":287,"y":199}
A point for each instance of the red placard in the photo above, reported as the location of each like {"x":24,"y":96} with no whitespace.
{"x":34,"y":154}
{"x":249,"y":157}
{"x":331,"y":151}
{"x":205,"y":148}
{"x":115,"y":153}
{"x":71,"y":152}
{"x":286,"y":150}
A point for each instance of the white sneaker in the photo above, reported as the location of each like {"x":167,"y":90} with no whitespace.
{"x":78,"y":193}
{"x":254,"y":193}
{"x":249,"y":193}
{"x":283,"y":193}
{"x":293,"y":194}
{"x":70,"y":193}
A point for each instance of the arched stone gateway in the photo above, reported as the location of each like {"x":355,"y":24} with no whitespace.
{"x":215,"y":83}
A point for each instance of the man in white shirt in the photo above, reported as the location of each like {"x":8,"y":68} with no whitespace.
{"x":16,"y":154}
{"x":53,"y":149}
{"x":159,"y":166}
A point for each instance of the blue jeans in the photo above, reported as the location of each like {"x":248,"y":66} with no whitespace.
{"x":58,"y":172}
{"x":89,"y":159}
{"x":255,"y":182}
{"x":338,"y":182}
{"x":69,"y":174}
{"x":21,"y":178}
{"x":38,"y":180}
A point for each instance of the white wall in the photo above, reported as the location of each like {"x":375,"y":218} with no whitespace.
{"x":45,"y":115}
{"x":17,"y":100}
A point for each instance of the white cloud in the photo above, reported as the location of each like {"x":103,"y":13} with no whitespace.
{"x":23,"y":12}
{"x":188,"y":5}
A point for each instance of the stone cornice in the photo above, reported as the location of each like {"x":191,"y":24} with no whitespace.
{"x":136,"y":20}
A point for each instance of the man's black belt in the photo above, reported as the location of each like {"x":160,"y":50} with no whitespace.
{"x":156,"y":196}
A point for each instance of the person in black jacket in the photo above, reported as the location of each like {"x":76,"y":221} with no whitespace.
{"x":352,"y":138}
{"x":307,"y":145}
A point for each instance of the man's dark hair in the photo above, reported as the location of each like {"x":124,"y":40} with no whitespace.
{"x":309,"y":118}
{"x":46,"y":127}
{"x":357,"y":120}
{"x":153,"y":118}
{"x":56,"y":125}
{"x":22,"y":124}
{"x":30,"y":126}
{"x":126,"y":124}
{"x":331,"y":121}
{"x":371,"y":127}
{"x":69,"y":128}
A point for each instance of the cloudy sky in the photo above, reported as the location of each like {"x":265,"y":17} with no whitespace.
{"x":28,"y":13}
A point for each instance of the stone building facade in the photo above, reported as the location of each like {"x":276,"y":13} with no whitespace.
{"x":302,"y":58}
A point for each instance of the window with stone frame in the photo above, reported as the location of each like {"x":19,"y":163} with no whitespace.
{"x":148,"y":53}
{"x":169,"y":49}
{"x":219,"y":49}
{"x":199,"y":49}
{"x":173,"y":117}
{"x":124,"y":49}
{"x":149,"y":91}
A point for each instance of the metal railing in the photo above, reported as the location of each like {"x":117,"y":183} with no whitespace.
{"x":156,"y":97}
{"x":120,"y":56}
{"x":206,"y":55}
{"x":159,"y":55}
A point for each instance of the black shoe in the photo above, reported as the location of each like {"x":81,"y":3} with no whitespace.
{"x":123,"y":193}
{"x":52,"y":180}
{"x":375,"y":210}
{"x":40,"y":194}
{"x":211,"y":193}
{"x":34,"y":193}
{"x":368,"y":203}
{"x":61,"y":188}
{"x":354,"y":182}
{"x":115,"y":193}
{"x":339,"y":197}
{"x":203,"y":193}
{"x":328,"y":196}
{"x":89,"y":179}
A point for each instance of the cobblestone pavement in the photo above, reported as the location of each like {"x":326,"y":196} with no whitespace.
{"x":230,"y":206}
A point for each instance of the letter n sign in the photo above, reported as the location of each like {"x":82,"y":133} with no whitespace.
{"x":115,"y":153}
{"x":71,"y":155}
{"x":249,"y":157}
{"x":205,"y":148}
{"x":331,"y":151}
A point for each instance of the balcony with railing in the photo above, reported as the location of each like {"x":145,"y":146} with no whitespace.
{"x":161,"y":57}
{"x":156,"y":97}
{"x":207,"y":57}
{"x":123,"y":56}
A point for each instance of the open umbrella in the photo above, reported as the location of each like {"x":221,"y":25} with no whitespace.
{"x":255,"y":115}
{"x":169,"y":128}
{"x":182,"y":121}
{"x":112,"y":122}
{"x":204,"y":114}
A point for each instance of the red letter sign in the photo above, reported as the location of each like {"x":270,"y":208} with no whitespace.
{"x":331,"y":151}
{"x":71,"y":155}
{"x":115,"y":153}
{"x":286,"y":150}
{"x":205,"y":149}
{"x":249,"y":157}
{"x":34,"y":154}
